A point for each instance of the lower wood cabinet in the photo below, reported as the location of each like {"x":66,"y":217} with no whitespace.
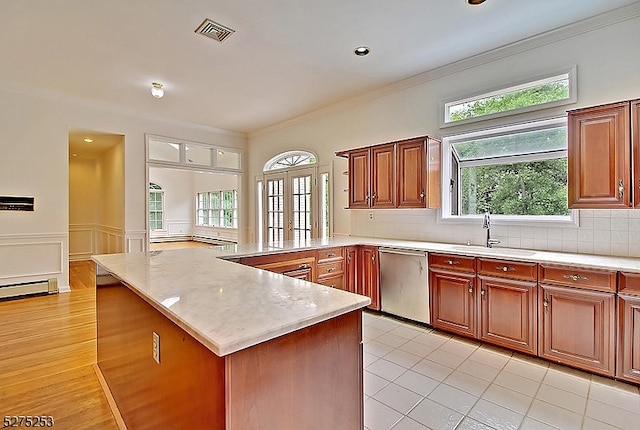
{"x":509,"y":314}
{"x":453,"y":303}
{"x":369,"y":279}
{"x":350,"y":268}
{"x":629,"y":338}
{"x":577,"y":328}
{"x":628,"y":357}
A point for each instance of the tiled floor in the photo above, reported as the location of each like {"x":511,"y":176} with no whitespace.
{"x":417,"y":378}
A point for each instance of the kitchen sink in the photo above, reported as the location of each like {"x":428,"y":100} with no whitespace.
{"x":506,"y":252}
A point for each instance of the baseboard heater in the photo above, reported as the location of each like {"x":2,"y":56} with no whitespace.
{"x":49,"y":286}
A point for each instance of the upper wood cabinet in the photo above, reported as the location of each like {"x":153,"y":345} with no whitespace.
{"x":383,"y":177}
{"x":403,"y":174}
{"x":600,"y":151}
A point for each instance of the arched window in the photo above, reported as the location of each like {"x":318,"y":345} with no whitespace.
{"x":156,"y":207}
{"x":290,"y":159}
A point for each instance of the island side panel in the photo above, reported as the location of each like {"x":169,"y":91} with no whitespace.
{"x":185,"y":390}
{"x":310,"y":379}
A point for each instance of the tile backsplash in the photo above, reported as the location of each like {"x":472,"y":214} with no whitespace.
{"x":602,"y":232}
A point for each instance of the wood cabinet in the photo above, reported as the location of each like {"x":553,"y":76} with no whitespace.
{"x":600,"y":153}
{"x":452,"y":283}
{"x":369,"y":278}
{"x":577,"y":317}
{"x":402,"y":174}
{"x":330,"y":265}
{"x":508,"y":304}
{"x":628,"y":354}
{"x":301,"y":264}
{"x":418,"y":173}
{"x":351,"y":268}
{"x":383,"y":177}
{"x":359,"y":193}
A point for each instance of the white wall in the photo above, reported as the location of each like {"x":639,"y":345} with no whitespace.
{"x":607,"y":70}
{"x":34,"y":127}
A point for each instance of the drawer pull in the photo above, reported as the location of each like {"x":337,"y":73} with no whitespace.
{"x":304,"y":266}
{"x":330,"y":254}
{"x":452,"y":262}
{"x":331,"y":269}
{"x":576,"y":277}
{"x":505,"y":268}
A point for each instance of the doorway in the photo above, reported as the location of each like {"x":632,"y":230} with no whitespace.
{"x":96,"y":193}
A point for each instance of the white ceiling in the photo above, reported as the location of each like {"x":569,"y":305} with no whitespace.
{"x":287,"y":57}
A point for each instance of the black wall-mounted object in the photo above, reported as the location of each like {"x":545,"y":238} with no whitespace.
{"x":11,"y":203}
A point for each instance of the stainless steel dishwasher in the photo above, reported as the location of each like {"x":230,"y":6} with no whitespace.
{"x":404,"y":283}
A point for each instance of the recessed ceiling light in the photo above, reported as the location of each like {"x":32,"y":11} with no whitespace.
{"x":475,"y":2}
{"x":88,"y":140}
{"x":361,"y":51}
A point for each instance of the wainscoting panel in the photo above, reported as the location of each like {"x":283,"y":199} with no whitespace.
{"x":81,"y":241}
{"x":136,"y":241}
{"x":179,"y":227}
{"x":31,"y":259}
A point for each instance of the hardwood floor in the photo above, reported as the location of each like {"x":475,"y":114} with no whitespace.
{"x":48,"y":353}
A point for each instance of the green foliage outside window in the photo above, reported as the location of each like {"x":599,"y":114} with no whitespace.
{"x":537,"y":95}
{"x":529,"y":188}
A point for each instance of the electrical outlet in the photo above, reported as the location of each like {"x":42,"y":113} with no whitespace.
{"x":371,"y":215}
{"x":156,"y":347}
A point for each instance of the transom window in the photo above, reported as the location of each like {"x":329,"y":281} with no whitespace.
{"x":549,"y":91}
{"x":290,"y":159}
{"x":517,"y":170}
{"x":217,"y":209}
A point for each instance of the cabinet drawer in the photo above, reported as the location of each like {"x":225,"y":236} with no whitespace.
{"x":629,"y":283}
{"x":452,"y":262}
{"x":508,"y":269}
{"x":332,"y":281}
{"x":328,"y":254}
{"x":331,"y":268}
{"x":593,"y":279}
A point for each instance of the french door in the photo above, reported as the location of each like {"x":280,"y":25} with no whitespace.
{"x":290,"y":205}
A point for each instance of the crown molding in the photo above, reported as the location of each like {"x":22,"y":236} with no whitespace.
{"x":549,"y":37}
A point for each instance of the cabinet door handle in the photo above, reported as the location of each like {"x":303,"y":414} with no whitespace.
{"x":373,"y":258}
{"x":367,"y":198}
{"x":505,"y":268}
{"x":470,"y":287}
{"x":545,"y":303}
{"x":576,"y":277}
{"x":422,"y":194}
{"x":349,"y":258}
{"x":483,"y":292}
{"x":451,"y":262}
{"x":374,"y":196}
{"x":621,"y":188}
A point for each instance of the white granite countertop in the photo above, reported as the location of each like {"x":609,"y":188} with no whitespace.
{"x":226,"y":306}
{"x":229,"y":307}
{"x":624,"y":264}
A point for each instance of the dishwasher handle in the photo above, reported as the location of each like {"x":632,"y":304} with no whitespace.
{"x":402,"y":252}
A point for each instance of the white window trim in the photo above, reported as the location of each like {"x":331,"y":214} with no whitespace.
{"x":573,"y":98}
{"x":444,"y":214}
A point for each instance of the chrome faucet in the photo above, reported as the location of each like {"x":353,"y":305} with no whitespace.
{"x":486,"y":224}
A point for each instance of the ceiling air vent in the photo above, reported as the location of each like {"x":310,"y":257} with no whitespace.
{"x":214,"y":30}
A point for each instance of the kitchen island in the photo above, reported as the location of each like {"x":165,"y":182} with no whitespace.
{"x":189,"y":340}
